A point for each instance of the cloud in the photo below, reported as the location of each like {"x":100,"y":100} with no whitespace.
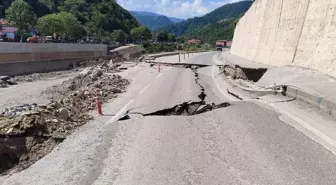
{"x":202,"y":10}
{"x":165,"y":2}
{"x":186,"y":9}
{"x":175,"y":8}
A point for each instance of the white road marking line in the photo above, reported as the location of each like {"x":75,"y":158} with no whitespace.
{"x":143,"y":89}
{"x":169,"y":68}
{"x":158,"y":76}
{"x":121,"y":111}
{"x":219,"y":88}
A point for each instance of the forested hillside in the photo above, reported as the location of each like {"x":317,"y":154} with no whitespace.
{"x":221,"y":30}
{"x":228,"y":11}
{"x":176,"y":20}
{"x":97,"y":17}
{"x":152,"y":21}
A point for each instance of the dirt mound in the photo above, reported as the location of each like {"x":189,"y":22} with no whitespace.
{"x":128,"y":52}
{"x":89,"y":79}
{"x":30,"y":136}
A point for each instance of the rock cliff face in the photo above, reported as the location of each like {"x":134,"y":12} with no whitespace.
{"x":289,"y":32}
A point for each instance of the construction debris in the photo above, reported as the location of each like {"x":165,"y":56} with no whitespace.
{"x":6,"y":80}
{"x":41,"y":121}
{"x":30,"y":131}
{"x":42,"y":76}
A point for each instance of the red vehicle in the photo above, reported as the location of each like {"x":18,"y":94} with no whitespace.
{"x":33,"y":39}
{"x":220,"y":44}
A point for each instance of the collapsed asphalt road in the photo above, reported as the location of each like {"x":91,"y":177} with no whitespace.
{"x":185,"y":108}
{"x":241,"y":143}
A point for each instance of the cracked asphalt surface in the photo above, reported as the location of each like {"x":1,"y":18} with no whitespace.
{"x":243,"y":143}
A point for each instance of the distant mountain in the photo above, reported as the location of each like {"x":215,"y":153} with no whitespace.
{"x":175,"y":20}
{"x":227,"y":11}
{"x":144,"y":13}
{"x":153,"y":20}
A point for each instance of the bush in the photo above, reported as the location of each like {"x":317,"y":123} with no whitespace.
{"x":156,"y":48}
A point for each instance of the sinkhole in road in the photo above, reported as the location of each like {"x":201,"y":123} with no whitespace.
{"x":188,"y":109}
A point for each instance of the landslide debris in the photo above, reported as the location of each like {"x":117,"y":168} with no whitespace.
{"x":30,"y":131}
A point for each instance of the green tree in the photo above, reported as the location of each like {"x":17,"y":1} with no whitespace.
{"x":50,"y":24}
{"x":119,"y":35}
{"x":64,"y":24}
{"x":163,"y":36}
{"x":22,"y":16}
{"x":141,"y":32}
{"x":49,"y":3}
{"x":171,"y":37}
{"x":108,"y":38}
{"x":79,"y":8}
{"x":70,"y":24}
{"x":180,"y":39}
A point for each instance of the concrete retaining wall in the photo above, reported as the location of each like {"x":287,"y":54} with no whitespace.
{"x":25,"y":58}
{"x":22,"y":68}
{"x":22,"y":52}
{"x":289,"y":32}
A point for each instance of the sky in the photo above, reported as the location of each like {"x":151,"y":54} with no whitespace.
{"x":175,"y":8}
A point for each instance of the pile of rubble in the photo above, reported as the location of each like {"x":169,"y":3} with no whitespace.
{"x":41,"y":76}
{"x":89,"y":79}
{"x":52,"y":120}
{"x":127,"y":53}
{"x":45,"y":125}
{"x":6,"y":80}
{"x":73,"y":99}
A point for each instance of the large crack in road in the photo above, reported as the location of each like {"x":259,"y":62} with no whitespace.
{"x":186,"y":108}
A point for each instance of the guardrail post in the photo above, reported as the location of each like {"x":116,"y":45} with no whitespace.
{"x":179,"y":56}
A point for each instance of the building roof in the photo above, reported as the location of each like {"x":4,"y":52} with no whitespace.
{"x":194,"y":41}
{"x":5,"y":22}
{"x":7,"y":29}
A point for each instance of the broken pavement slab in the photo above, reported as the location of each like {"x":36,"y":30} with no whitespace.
{"x":236,"y":61}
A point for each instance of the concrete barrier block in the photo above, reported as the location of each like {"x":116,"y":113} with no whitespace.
{"x":319,"y":101}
